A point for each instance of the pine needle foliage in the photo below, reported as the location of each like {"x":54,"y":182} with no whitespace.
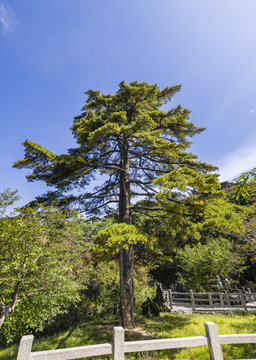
{"x":139,"y":144}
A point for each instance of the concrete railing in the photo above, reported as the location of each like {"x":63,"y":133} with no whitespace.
{"x":119,"y":347}
{"x":210,"y":300}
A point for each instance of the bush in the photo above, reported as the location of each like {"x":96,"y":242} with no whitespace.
{"x":200,"y":263}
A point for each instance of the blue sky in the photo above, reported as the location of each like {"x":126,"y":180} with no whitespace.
{"x":51,"y":51}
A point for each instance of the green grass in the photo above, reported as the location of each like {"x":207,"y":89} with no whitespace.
{"x":166,"y":326}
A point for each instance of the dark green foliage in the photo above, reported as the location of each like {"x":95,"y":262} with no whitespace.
{"x":244,"y":183}
{"x":201,"y":263}
{"x":246,"y":243}
{"x":102,"y":291}
{"x":7,"y":198}
{"x":39,"y":269}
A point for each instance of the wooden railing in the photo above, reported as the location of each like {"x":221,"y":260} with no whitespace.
{"x":119,"y":347}
{"x":210,"y":300}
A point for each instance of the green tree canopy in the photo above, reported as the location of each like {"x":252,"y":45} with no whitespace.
{"x":139,"y":144}
{"x":7,"y":198}
{"x":37,"y":273}
{"x":244,"y":183}
{"x":201,"y":263}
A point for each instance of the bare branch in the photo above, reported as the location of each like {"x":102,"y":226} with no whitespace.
{"x":97,"y":196}
{"x":99,"y":206}
{"x":142,"y":194}
{"x":147,"y":208}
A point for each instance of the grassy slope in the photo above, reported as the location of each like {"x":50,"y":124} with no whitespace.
{"x":167,"y":325}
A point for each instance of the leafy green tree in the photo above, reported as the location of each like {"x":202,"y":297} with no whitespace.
{"x":244,"y":183}
{"x":37,"y":274}
{"x":7,"y":198}
{"x":200,"y":263}
{"x":140,"y":147}
{"x":195,"y":220}
{"x":247,"y":242}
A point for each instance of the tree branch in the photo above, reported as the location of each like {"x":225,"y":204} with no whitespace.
{"x":101,"y":205}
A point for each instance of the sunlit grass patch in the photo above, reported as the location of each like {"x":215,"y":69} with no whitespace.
{"x":166,"y":326}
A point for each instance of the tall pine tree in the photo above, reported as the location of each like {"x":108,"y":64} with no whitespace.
{"x":138,"y":146}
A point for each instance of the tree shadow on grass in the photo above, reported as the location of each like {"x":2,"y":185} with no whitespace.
{"x":101,"y":330}
{"x":61,"y":343}
{"x":165,"y":323}
{"x":89,"y":333}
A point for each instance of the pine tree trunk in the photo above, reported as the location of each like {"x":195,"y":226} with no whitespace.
{"x":125,"y":256}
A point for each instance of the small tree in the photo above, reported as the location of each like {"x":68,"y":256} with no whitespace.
{"x":244,"y":183}
{"x":7,"y":198}
{"x":200,"y":263}
{"x":37,"y":275}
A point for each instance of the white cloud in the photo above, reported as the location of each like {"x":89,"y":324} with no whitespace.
{"x":7,"y":19}
{"x":252,"y":111}
{"x":240,"y":160}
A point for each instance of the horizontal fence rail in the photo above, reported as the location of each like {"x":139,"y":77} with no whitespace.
{"x":73,"y":353}
{"x":210,"y":300}
{"x":119,"y":347}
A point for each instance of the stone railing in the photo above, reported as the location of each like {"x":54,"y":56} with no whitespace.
{"x":119,"y":347}
{"x":215,"y":301}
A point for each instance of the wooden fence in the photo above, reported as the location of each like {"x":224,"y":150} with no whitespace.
{"x":119,"y":347}
{"x":210,"y":300}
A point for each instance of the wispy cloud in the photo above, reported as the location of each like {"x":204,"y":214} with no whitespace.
{"x":240,"y":160}
{"x":7,"y":19}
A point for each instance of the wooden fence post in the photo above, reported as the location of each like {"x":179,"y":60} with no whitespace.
{"x":118,"y":350}
{"x":243,"y":300}
{"x":170,"y":299}
{"x":254,"y":292}
{"x":227,"y":299}
{"x":25,"y":347}
{"x":210,"y":299}
{"x":250,"y":294}
{"x":192,"y":299}
{"x":213,"y":341}
{"x":221,"y":299}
